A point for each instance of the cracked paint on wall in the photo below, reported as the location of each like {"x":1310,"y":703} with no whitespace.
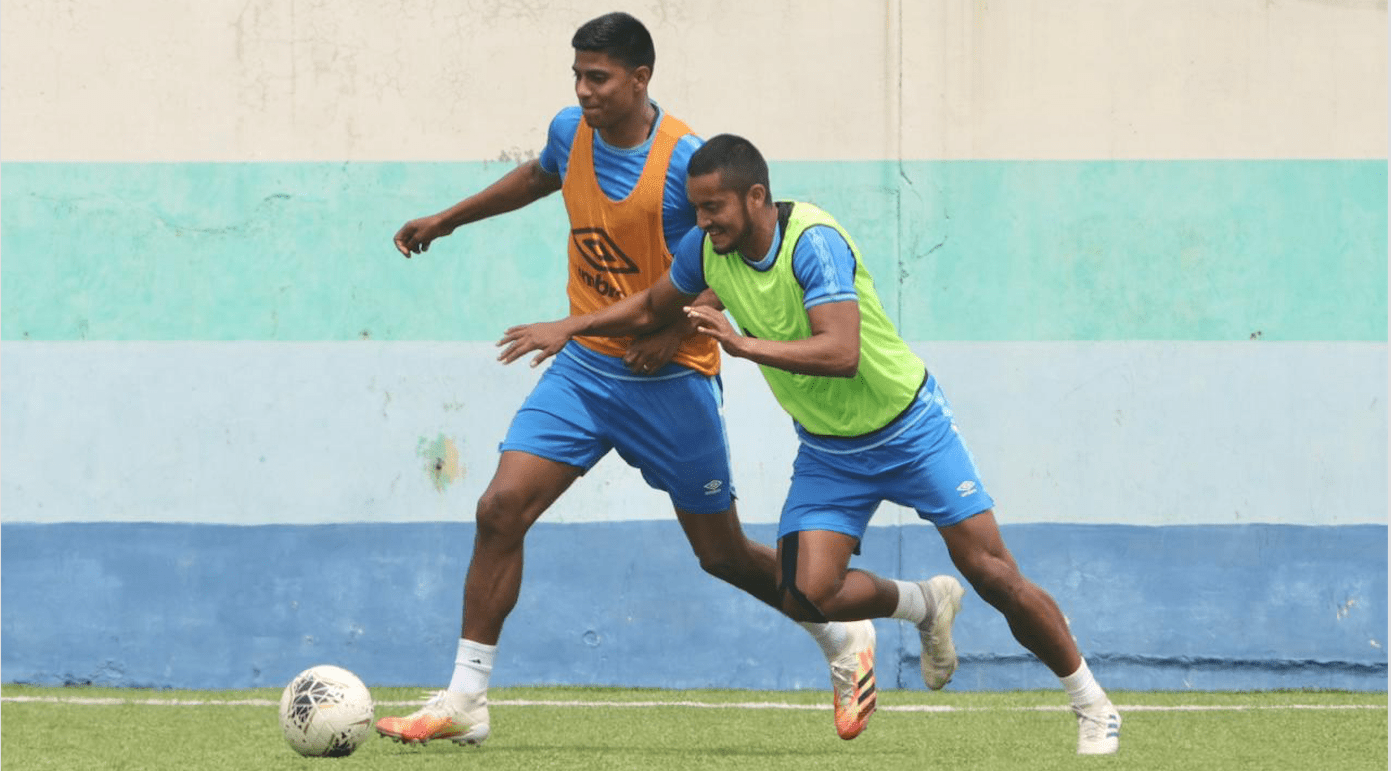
{"x":441,"y":460}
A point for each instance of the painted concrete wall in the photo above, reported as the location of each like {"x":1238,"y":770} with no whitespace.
{"x":1143,"y":246}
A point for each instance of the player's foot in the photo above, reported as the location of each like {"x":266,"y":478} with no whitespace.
{"x":943,"y":595}
{"x":852,"y":677}
{"x":1098,"y":729}
{"x":459,"y":717}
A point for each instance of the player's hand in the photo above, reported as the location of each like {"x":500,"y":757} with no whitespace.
{"x":712,"y":322}
{"x":650,"y":353}
{"x":545,"y":337}
{"x":415,"y":236}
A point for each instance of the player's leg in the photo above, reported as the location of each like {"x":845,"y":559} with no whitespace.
{"x":816,"y":587}
{"x":726,"y":553}
{"x":956,"y":501}
{"x":521,"y":490}
{"x":817,"y":584}
{"x":542,"y":455}
{"x":523,"y":487}
{"x":848,"y":647}
{"x":829,"y":505}
{"x":672,"y":430}
{"x":979,"y":552}
{"x":834,"y":493}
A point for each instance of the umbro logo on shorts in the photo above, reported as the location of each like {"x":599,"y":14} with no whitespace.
{"x":966,"y":488}
{"x":713,"y":486}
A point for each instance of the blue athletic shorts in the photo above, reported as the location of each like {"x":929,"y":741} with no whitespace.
{"x":919,"y":461}
{"x":669,"y":425}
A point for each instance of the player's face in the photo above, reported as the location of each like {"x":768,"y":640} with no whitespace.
{"x":607,"y":90}
{"x":722,"y":213}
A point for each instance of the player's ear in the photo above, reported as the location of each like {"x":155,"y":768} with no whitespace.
{"x":757,"y":196}
{"x":641,"y":75}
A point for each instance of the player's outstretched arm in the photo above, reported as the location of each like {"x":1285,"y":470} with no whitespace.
{"x":832,"y":350}
{"x":517,"y":188}
{"x":646,"y":311}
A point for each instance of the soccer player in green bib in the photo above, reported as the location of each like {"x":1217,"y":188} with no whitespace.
{"x":873,"y":424}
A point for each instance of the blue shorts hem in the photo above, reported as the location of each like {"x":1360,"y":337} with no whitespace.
{"x":702,"y":509}
{"x":835,"y":527}
{"x":959,"y":517}
{"x":544,"y":454}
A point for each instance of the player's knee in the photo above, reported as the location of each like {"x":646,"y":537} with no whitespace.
{"x":798,"y":605}
{"x":792,"y":608}
{"x":803,"y":595}
{"x":501,"y":516}
{"x":720,"y":564}
{"x":997,"y":582}
{"x":728,"y":558}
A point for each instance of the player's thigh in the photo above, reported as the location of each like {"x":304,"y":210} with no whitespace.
{"x":824,"y":496}
{"x":523,"y":487}
{"x":557,"y":422}
{"x":978,"y":550}
{"x":816,"y":560}
{"x":716,"y":537}
{"x":673,"y":432}
{"x":929,"y":468}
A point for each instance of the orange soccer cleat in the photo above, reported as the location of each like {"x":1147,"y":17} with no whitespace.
{"x":852,"y":677}
{"x":459,"y":717}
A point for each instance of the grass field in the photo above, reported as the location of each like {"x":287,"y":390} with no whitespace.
{"x":602,"y":728}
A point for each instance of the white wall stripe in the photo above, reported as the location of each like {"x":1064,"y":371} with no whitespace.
{"x":257,"y":80}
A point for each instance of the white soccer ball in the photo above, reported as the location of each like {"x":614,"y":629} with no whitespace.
{"x":326,"y":712}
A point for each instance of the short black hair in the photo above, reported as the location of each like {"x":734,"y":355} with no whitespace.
{"x":617,"y":35}
{"x":740,"y":164}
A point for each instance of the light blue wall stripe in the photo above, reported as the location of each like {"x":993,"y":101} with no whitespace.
{"x":203,"y":606}
{"x":965,"y":250}
{"x":1153,"y":433}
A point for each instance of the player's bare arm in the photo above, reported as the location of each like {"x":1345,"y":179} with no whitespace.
{"x":647,"y":311}
{"x":517,"y":188}
{"x":652,"y":351}
{"x":832,"y":350}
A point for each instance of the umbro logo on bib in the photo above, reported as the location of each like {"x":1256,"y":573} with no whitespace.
{"x":600,"y":251}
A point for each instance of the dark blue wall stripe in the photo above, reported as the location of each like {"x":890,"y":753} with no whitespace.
{"x":624,"y":603}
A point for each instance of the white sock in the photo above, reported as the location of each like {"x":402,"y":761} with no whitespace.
{"x":831,"y":636}
{"x":1082,"y":688}
{"x":912,"y":605}
{"x":473,"y":665}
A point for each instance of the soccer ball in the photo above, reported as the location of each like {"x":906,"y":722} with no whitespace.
{"x":325,"y":712}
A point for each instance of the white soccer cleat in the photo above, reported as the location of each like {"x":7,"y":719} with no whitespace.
{"x":943,"y":594}
{"x":459,"y":717}
{"x":1098,"y":729}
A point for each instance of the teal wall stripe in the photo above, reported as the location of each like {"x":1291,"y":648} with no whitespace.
{"x":1138,"y":250}
{"x":961,"y":250}
{"x":286,"y":252}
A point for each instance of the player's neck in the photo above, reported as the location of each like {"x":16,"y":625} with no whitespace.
{"x":632,"y":130}
{"x":765,"y":224}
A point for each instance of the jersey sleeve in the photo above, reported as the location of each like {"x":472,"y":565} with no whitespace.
{"x":824,"y":266}
{"x":687,"y":265}
{"x":555,"y":156}
{"x":678,"y":215}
